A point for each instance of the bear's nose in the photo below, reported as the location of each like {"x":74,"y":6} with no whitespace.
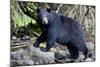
{"x":45,"y":20}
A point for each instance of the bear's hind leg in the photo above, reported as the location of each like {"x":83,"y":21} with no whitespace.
{"x":74,"y":51}
{"x":84,"y":50}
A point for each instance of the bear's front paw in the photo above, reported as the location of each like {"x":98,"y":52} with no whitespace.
{"x":44,"y":49}
{"x":35,"y":45}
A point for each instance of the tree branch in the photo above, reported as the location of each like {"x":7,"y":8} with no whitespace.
{"x":59,"y":8}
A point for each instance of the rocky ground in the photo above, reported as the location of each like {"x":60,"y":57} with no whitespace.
{"x":24,"y":53}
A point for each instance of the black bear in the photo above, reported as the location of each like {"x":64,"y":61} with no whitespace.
{"x":60,"y":29}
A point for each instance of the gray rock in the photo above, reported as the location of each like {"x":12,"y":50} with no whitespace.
{"x":26,"y":57}
{"x":28,"y":62}
{"x":22,"y":62}
{"x":89,"y":60}
{"x":90,"y":46}
{"x":26,"y":37}
{"x":14,"y":37}
{"x":67,"y":60}
{"x":36,"y":63}
{"x":15,"y":56}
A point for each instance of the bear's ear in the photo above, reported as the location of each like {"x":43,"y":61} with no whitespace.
{"x":49,"y":10}
{"x":38,"y":10}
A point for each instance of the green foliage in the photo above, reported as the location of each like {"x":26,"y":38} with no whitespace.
{"x":18,"y":17}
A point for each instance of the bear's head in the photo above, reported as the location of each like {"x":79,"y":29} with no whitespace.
{"x":43,"y":15}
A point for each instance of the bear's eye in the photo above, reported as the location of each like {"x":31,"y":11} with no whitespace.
{"x":49,"y":10}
